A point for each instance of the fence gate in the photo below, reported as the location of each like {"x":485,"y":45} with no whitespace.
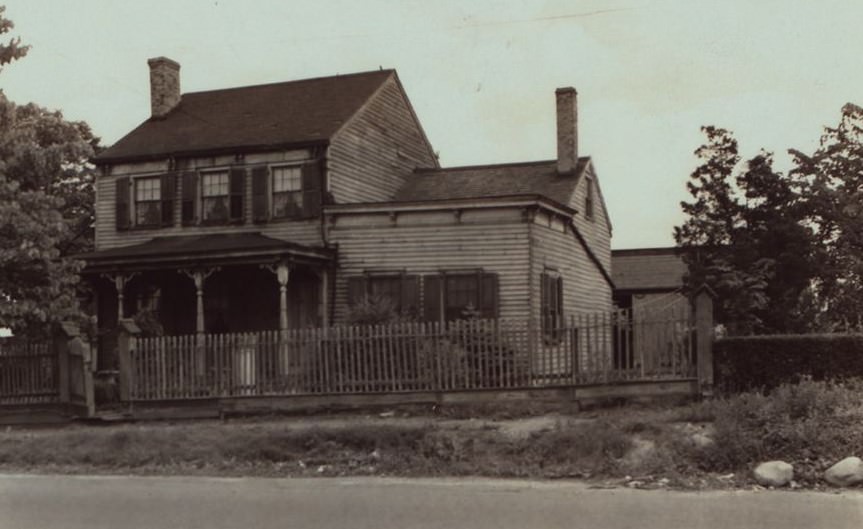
{"x":76,"y":373}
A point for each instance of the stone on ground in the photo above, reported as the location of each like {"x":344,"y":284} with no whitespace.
{"x":847,"y":472}
{"x":774,"y":474}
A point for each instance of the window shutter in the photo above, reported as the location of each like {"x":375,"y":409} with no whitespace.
{"x":356,"y":290}
{"x":559,"y":300}
{"x":168,"y":191}
{"x":312,"y":189}
{"x":410,"y":291}
{"x":189,"y":200}
{"x":488,"y":303}
{"x":238,"y":193}
{"x":260,"y":194}
{"x":121,"y":199}
{"x":431,"y":298}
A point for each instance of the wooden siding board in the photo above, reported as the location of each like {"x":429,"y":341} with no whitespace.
{"x":372,"y":156}
{"x":429,"y":249}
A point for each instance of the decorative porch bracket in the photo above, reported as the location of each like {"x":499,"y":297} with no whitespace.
{"x":120,"y":280}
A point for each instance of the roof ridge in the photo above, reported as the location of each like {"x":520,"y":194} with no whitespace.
{"x":293,"y":81}
{"x":489,"y":165}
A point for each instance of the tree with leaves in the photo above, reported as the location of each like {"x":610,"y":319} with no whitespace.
{"x":745,"y":238}
{"x":46,"y":208}
{"x":834,"y":173}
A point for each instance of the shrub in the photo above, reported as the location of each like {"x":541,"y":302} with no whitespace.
{"x":765,"y":362}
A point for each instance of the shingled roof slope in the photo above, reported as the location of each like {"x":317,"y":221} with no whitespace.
{"x":531,"y":178}
{"x":280,"y":114}
{"x":647,"y":269}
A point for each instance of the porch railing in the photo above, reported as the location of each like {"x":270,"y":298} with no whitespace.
{"x":28,"y":372}
{"x":415,"y":356}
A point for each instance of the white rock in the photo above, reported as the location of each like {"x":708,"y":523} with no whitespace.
{"x":847,"y":472}
{"x":774,"y":473}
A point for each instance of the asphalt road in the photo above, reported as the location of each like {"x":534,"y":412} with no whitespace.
{"x":70,"y":502}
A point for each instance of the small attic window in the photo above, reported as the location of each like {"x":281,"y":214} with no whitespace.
{"x":588,"y":199}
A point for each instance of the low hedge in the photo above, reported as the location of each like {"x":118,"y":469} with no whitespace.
{"x":746,"y":363}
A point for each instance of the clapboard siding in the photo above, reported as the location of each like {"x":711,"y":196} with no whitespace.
{"x":307,"y":231}
{"x":596,"y":231}
{"x":556,"y":247}
{"x":499,"y":247}
{"x":370,"y":158}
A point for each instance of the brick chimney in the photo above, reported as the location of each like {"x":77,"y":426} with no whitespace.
{"x":567,"y":130}
{"x":164,"y":85}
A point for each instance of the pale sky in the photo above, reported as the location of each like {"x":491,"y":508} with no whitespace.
{"x":481,"y":75}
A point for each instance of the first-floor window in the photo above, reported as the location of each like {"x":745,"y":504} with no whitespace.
{"x":287,"y":192}
{"x":148,"y":196}
{"x":214,"y":196}
{"x":399,"y":291}
{"x":452,"y":296}
{"x":551,"y":302}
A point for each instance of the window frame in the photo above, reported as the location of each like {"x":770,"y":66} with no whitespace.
{"x":589,"y":201}
{"x":201,"y":198}
{"x":134,"y":202}
{"x":297,"y":209}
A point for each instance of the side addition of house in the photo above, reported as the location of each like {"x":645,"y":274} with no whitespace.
{"x":282,"y":205}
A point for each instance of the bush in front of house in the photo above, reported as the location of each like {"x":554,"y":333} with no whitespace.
{"x":764,"y":362}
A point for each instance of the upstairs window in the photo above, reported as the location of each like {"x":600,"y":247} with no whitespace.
{"x":148,"y":202}
{"x":287,"y":192}
{"x":215,"y":202}
{"x":588,"y":199}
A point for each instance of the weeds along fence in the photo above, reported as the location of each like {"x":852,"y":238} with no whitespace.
{"x":415,"y":356}
{"x":28,"y":372}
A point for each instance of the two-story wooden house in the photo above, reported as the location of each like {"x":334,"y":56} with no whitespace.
{"x":278,"y":206}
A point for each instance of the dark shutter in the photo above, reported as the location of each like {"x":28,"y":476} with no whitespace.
{"x":238,"y":193}
{"x":488,"y":296}
{"x":260,"y":198}
{"x":431,"y":298}
{"x":168,"y":192}
{"x":190,"y":193}
{"x":410,"y":295}
{"x":559,"y":300}
{"x":123,"y":218}
{"x":356,"y":290}
{"x":312,"y":189}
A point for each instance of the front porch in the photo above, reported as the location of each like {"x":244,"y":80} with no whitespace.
{"x":208,"y":285}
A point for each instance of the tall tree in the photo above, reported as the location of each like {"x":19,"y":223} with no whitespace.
{"x":835,"y":207}
{"x":743,"y":237}
{"x":46,"y":208}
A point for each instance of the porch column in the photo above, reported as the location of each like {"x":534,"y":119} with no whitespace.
{"x":199,"y":275}
{"x":283,"y":273}
{"x":325,"y":298}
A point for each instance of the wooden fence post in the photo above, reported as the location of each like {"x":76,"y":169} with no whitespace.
{"x":127,"y":330}
{"x":703,"y":303}
{"x":71,"y":348}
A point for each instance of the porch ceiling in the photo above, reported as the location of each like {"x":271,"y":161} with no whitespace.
{"x":204,"y":250}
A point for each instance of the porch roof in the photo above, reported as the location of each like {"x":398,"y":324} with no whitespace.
{"x":197,"y":250}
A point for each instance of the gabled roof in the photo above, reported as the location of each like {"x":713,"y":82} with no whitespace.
{"x":294,"y":113}
{"x":530,"y":178}
{"x":647,"y":269}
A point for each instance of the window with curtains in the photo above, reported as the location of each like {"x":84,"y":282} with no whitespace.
{"x":215,"y":196}
{"x":148,"y":201}
{"x":287,"y":192}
